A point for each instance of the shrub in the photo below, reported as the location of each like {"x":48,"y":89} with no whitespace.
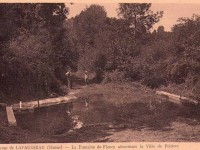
{"x":179,"y":72}
{"x":115,"y":76}
{"x":195,"y":90}
{"x":154,"y":81}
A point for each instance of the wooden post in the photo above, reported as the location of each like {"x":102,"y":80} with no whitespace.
{"x":20,"y":104}
{"x":38,"y":103}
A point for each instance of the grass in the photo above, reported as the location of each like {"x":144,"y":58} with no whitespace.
{"x":121,"y":92}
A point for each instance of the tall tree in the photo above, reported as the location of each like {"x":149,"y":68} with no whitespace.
{"x":139,"y":17}
{"x":86,"y":27}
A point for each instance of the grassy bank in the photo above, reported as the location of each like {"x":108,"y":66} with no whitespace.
{"x":121,"y":92}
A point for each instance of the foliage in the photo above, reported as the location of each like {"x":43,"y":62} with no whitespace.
{"x":195,"y":90}
{"x":188,"y":48}
{"x":139,"y":17}
{"x":83,"y":31}
{"x":115,"y":76}
{"x":38,"y":44}
{"x":29,"y":49}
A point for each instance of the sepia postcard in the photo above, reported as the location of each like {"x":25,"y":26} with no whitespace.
{"x":99,"y":75}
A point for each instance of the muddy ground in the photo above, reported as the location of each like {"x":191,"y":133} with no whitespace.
{"x":107,"y":113}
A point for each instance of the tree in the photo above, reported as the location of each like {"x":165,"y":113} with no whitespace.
{"x":161,"y":29}
{"x":31,"y":16}
{"x":32,"y":48}
{"x":187,"y":42}
{"x":85,"y":28}
{"x":139,"y":17}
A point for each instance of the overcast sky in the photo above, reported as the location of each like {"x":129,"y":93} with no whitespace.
{"x":172,"y":11}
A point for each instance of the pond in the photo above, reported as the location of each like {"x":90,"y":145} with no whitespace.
{"x":96,"y":111}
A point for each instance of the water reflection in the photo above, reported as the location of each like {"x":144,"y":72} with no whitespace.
{"x":49,"y":120}
{"x":95,"y":111}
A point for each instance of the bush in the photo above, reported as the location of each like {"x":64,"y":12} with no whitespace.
{"x":115,"y":76}
{"x":28,"y":65}
{"x":154,"y":81}
{"x":195,"y":90}
{"x":179,"y":72}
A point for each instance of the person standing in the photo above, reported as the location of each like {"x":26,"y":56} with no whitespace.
{"x":86,"y":77}
{"x":69,"y":78}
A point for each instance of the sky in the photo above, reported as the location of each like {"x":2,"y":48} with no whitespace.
{"x":172,"y":11}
